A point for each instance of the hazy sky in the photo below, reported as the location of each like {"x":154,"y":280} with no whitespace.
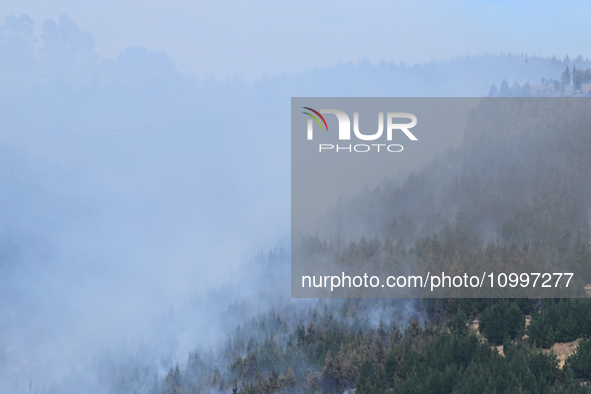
{"x":271,"y":37}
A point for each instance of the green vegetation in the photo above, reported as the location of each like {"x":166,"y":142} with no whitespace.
{"x":580,"y":362}
{"x":503,"y":200}
{"x":326,"y":354}
{"x":561,"y":320}
{"x":502,"y":320}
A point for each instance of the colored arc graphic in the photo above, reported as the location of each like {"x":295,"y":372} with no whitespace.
{"x":317,"y":113}
{"x":315,"y":118}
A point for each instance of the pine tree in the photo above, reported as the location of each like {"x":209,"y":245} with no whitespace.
{"x":565,"y":77}
{"x":504,"y":91}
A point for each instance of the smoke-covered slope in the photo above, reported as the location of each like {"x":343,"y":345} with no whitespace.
{"x":130,"y":191}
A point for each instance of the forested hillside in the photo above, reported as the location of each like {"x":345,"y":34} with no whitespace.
{"x":503,"y":195}
{"x":334,"y":347}
{"x":129,"y":190}
{"x":378,"y":346}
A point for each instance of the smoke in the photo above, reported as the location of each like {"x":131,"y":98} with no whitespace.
{"x":133,"y":199}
